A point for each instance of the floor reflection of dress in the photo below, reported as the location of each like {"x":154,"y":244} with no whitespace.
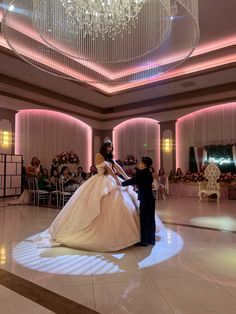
{"x":100,"y":216}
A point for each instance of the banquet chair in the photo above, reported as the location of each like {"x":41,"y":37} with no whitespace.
{"x":31,"y":187}
{"x":40,"y":195}
{"x":64,"y":196}
{"x":211,"y":186}
{"x":55,"y":194}
{"x":156,"y":189}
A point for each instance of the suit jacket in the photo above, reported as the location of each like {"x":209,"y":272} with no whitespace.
{"x":82,"y":175}
{"x":143,"y":179}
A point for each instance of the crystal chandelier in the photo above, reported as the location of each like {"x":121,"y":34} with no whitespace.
{"x":110,"y":42}
{"x":103,"y":17}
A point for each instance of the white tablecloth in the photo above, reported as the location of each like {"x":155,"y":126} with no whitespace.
{"x":191,"y":189}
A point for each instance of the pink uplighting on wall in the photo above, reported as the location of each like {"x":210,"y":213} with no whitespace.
{"x":115,"y":75}
{"x":132,"y":123}
{"x":205,"y":110}
{"x":177,"y":145}
{"x":192,"y":115}
{"x":52,"y":117}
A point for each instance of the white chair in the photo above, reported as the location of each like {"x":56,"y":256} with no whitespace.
{"x":41,"y":195}
{"x":55,"y":193}
{"x":154,"y":187}
{"x":31,"y":187}
{"x":64,"y":196}
{"x":212,"y":174}
{"x":164,"y":188}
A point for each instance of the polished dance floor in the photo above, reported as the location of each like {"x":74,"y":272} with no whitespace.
{"x":191,"y":269}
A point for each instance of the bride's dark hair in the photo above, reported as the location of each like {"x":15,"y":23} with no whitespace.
{"x":103,"y":151}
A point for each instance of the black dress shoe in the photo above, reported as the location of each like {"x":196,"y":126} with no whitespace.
{"x":141,"y":244}
{"x":152,"y":242}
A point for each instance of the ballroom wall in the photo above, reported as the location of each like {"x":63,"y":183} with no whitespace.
{"x":7,"y":124}
{"x":138,"y":136}
{"x":213,"y":125}
{"x":45,"y":134}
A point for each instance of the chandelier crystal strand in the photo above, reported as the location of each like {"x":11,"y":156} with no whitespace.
{"x":103,"y":17}
{"x":152,"y":28}
{"x":163,"y":35}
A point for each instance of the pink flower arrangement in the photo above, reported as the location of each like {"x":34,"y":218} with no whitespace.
{"x":199,"y":176}
{"x":67,"y":157}
{"x":227,"y":177}
{"x":130,"y":160}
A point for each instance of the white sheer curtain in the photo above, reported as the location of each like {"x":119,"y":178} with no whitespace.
{"x":45,"y":134}
{"x":214,"y":125}
{"x":139,"y":137}
{"x":234,"y":154}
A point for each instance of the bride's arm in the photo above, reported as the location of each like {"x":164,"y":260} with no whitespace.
{"x":111,"y":172}
{"x":99,"y":160}
{"x":121,"y":171}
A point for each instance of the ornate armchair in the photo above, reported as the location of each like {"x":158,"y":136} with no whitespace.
{"x":212,"y":174}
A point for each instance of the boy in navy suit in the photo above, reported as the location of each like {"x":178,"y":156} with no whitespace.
{"x":143,"y":179}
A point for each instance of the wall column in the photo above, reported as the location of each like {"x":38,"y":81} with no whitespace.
{"x":167,"y":145}
{"x":7,"y":131}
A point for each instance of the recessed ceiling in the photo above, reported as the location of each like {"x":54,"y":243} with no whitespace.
{"x":213,"y":64}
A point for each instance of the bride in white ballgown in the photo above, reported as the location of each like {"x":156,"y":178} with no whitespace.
{"x":100,"y":216}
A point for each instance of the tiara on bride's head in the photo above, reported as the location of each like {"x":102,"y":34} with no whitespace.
{"x":107,"y":142}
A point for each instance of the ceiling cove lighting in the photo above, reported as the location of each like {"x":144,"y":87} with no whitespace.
{"x":118,"y":35}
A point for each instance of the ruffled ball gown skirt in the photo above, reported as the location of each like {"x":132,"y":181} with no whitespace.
{"x":100,"y":216}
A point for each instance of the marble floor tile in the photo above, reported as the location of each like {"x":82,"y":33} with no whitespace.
{"x":194,"y":294}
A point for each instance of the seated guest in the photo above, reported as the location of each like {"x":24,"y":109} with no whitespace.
{"x":188,"y":176}
{"x":68,"y":180}
{"x":43,"y":181}
{"x":54,"y":166}
{"x":152,"y":170}
{"x":172,"y":174}
{"x":54,"y":180}
{"x":93,"y":171}
{"x":32,"y":170}
{"x":179,"y":175}
{"x":161,"y":182}
{"x":80,"y":176}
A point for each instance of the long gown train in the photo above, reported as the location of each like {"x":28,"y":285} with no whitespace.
{"x":100,"y":216}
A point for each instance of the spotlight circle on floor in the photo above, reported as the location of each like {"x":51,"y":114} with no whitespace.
{"x":66,"y":261}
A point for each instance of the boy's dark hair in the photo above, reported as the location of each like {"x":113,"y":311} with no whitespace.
{"x":147,"y":161}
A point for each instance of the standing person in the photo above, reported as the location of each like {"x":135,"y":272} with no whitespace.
{"x":32,"y":170}
{"x":143,"y":180}
{"x":162,"y":182}
{"x":101,"y":215}
{"x":23,"y":177}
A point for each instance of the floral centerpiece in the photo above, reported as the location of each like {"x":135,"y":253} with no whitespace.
{"x":227,"y":177}
{"x":119,"y":162}
{"x":67,"y":158}
{"x":199,"y":176}
{"x":130,"y":160}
